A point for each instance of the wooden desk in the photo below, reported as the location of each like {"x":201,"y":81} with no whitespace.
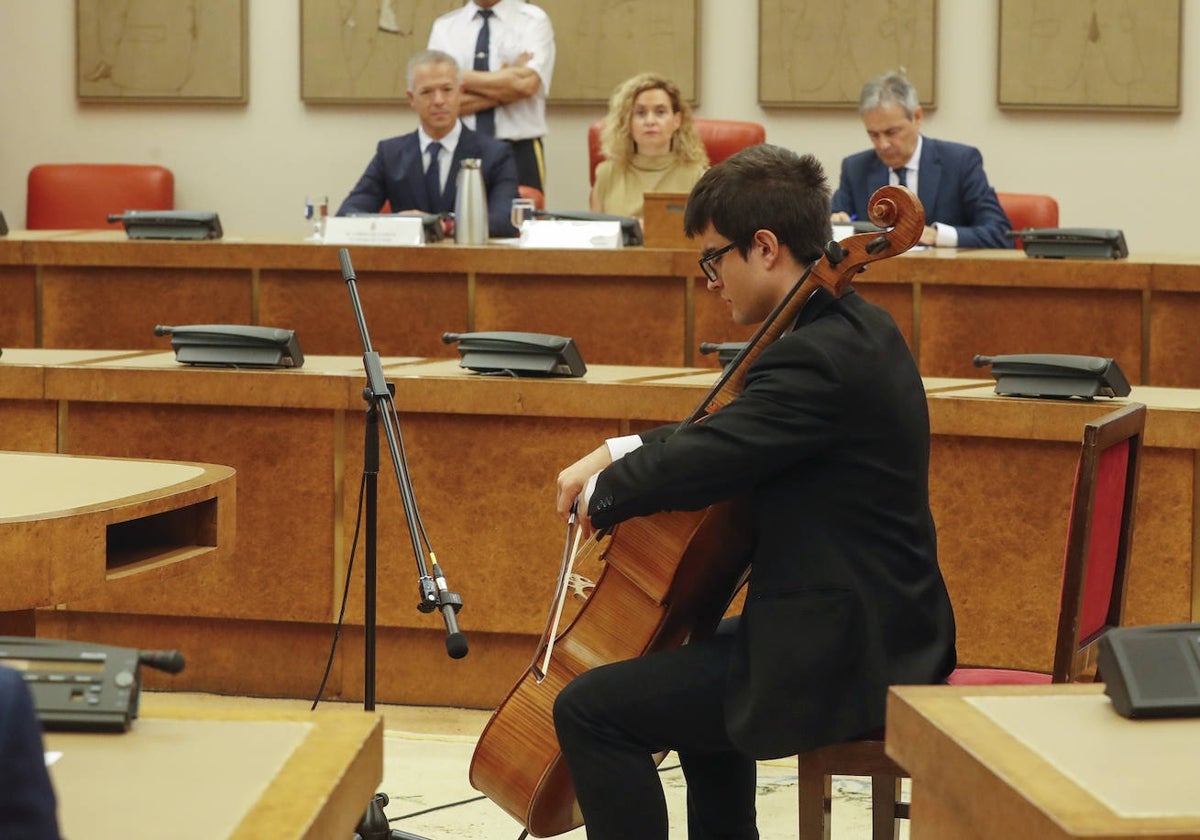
{"x":73,"y":526}
{"x":254,"y":772}
{"x":483,"y":453}
{"x":630,"y":306}
{"x":1051,"y":762}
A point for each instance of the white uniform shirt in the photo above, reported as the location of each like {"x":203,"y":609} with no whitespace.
{"x":516,"y":27}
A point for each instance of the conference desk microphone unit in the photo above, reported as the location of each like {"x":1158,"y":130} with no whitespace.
{"x":169,"y":224}
{"x":1073,"y":243}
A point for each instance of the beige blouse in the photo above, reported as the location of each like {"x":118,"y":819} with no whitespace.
{"x":620,"y":190}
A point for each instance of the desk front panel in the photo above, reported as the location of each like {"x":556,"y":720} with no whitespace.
{"x":483,"y":454}
{"x":96,"y":306}
{"x":613,"y":320}
{"x":19,"y":315}
{"x":958,"y":322}
{"x":406,"y":313}
{"x":624,"y":306}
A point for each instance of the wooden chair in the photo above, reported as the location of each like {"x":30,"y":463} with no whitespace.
{"x":64,"y":196}
{"x":721,"y":138}
{"x":1028,"y":210}
{"x":1099,"y":534}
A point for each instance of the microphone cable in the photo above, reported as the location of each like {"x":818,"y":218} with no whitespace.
{"x":337,"y":628}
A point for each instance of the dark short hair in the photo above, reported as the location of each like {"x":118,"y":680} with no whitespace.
{"x":764,"y":187}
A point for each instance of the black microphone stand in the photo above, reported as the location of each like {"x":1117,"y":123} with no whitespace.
{"x":434,"y":595}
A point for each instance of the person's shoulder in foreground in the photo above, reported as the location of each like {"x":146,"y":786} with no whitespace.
{"x":27,"y":803}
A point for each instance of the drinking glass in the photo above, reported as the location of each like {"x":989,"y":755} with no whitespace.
{"x":522,"y":211}
{"x":316,"y":211}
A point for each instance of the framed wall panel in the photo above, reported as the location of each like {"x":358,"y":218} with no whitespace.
{"x":161,"y":50}
{"x":358,"y":50}
{"x":600,"y":43}
{"x":820,"y":54}
{"x":1121,"y":55}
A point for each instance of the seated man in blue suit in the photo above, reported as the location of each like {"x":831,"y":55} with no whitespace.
{"x":961,"y":209}
{"x":418,"y":171}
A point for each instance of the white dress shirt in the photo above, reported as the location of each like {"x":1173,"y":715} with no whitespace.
{"x":947,"y":235}
{"x":449,"y":144}
{"x":516,"y":27}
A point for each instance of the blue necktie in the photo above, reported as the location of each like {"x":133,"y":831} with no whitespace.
{"x":901,"y":175}
{"x":433,"y":178}
{"x":485,"y":121}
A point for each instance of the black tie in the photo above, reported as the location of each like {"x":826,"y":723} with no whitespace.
{"x":433,"y":178}
{"x":485,"y":121}
{"x":902,"y":175}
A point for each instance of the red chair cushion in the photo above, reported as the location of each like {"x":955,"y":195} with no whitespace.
{"x":63,"y":196}
{"x":996,"y":676}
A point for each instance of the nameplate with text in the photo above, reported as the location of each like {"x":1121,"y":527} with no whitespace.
{"x":374,"y":230}
{"x":567,"y":233}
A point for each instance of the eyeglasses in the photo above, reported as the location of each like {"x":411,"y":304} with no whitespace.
{"x":708,"y":260}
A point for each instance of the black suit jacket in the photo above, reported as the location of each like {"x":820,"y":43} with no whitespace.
{"x":397,"y":175}
{"x":27,"y":804}
{"x":829,"y":443}
{"x":951,"y":184}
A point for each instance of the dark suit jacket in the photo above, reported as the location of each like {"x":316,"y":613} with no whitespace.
{"x":27,"y":804}
{"x":397,"y":174}
{"x":829,"y":443}
{"x":951,"y":184}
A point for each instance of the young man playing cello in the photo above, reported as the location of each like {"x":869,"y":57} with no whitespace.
{"x":829,"y":443}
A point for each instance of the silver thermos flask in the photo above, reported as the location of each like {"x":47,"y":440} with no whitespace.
{"x":470,"y":204}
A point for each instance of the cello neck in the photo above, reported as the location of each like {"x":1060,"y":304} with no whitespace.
{"x":893,"y":207}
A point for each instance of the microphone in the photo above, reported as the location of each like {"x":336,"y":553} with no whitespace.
{"x":162,"y":329}
{"x":450,"y":338}
{"x":171,"y":661}
{"x":456,"y":640}
{"x":347,"y":269}
{"x":981,"y":361}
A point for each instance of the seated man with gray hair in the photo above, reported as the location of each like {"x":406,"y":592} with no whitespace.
{"x":961,"y":208}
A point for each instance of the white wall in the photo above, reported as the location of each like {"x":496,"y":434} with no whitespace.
{"x":254,"y":163}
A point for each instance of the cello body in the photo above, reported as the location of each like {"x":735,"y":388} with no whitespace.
{"x":648,"y":597}
{"x":664,"y":579}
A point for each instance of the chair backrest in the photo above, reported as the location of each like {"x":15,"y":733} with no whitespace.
{"x":539,"y":199}
{"x":1099,"y":534}
{"x":82,"y":195}
{"x":1028,"y":210}
{"x":721,"y":138}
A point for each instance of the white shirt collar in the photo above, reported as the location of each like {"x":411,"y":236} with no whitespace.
{"x":449,"y":142}
{"x":914,"y":162}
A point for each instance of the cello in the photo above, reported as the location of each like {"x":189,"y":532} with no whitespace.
{"x":662,"y":579}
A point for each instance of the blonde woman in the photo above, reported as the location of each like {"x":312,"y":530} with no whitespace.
{"x":650,"y":143}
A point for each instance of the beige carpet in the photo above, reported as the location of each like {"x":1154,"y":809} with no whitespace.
{"x":425,"y":778}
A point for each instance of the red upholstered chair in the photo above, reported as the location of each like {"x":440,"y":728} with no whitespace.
{"x":539,"y":200}
{"x":1028,"y":210}
{"x":81,"y":195}
{"x":721,"y":139}
{"x":1099,"y":533}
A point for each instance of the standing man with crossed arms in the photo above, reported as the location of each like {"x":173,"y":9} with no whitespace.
{"x":506,"y":50}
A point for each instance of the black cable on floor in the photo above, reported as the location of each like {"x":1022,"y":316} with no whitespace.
{"x":437,"y":808}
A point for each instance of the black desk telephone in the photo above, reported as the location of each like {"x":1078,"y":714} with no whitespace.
{"x":80,"y":685}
